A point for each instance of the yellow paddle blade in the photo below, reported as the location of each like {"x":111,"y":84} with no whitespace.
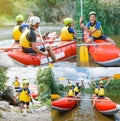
{"x":55,"y":96}
{"x":116,"y":76}
{"x":51,"y":65}
{"x":83,"y":55}
{"x":61,"y":78}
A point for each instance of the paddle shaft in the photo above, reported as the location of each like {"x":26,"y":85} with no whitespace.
{"x":82,"y":15}
{"x":43,"y":44}
{"x":95,"y":44}
{"x":90,"y":100}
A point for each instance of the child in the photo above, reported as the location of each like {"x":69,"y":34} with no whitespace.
{"x":16,"y":84}
{"x":67,"y":33}
{"x":24,"y":96}
{"x":94,"y":28}
{"x":71,"y":91}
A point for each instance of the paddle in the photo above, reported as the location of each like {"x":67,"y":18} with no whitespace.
{"x":95,"y":44}
{"x":50,"y":64}
{"x":115,"y":76}
{"x":62,"y":78}
{"x":83,"y":50}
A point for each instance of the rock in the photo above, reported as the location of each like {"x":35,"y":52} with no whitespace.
{"x":9,"y":95}
{"x":4,"y":106}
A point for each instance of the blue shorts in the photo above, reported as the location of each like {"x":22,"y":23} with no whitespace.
{"x":102,"y":37}
{"x":30,"y":50}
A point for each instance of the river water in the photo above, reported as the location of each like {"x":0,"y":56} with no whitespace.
{"x":83,"y":112}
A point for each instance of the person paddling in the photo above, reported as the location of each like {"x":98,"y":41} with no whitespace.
{"x":28,"y":40}
{"x":17,"y":29}
{"x":67,"y":32}
{"x":94,"y":28}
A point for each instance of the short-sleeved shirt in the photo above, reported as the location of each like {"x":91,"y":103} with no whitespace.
{"x":31,"y":36}
{"x":24,"y":90}
{"x":97,"y":25}
{"x":23,"y":26}
{"x":71,"y":30}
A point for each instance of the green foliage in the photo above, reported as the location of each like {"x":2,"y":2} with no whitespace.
{"x":108,"y":13}
{"x":3,"y":78}
{"x":46,"y":84}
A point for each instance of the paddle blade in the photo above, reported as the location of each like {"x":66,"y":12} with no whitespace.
{"x":116,"y":76}
{"x":51,"y":65}
{"x":105,"y":78}
{"x":83,"y":55}
{"x":61,"y":78}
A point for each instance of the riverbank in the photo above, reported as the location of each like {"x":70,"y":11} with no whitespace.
{"x":12,"y":113}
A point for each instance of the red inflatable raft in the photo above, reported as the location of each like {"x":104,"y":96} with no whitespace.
{"x":106,"y":106}
{"x":104,"y":53}
{"x":33,"y":90}
{"x":63,"y":104}
{"x":62,"y":50}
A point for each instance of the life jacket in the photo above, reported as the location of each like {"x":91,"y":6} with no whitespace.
{"x":65,"y":35}
{"x":76,"y":89}
{"x":71,"y":93}
{"x":96,"y":33}
{"x":23,"y":40}
{"x":24,"y":96}
{"x":16,"y":84}
{"x":101,"y":91}
{"x":96,"y":90}
{"x":16,"y":33}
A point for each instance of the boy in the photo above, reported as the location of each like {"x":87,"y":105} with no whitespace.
{"x":67,"y":33}
{"x":94,"y":28}
{"x":24,"y":95}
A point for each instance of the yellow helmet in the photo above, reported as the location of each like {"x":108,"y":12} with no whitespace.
{"x":92,"y":13}
{"x":19,"y":18}
{"x":101,"y":82}
{"x":67,"y":21}
{"x":70,"y":85}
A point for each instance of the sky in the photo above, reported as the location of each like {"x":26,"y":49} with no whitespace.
{"x":78,"y":74}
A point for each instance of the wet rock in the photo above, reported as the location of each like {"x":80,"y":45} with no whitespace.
{"x":4,"y":106}
{"x":9,"y":95}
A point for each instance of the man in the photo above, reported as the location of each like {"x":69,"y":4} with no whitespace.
{"x":28,"y":40}
{"x":94,"y":28}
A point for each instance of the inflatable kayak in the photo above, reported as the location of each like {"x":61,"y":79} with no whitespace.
{"x":33,"y":90}
{"x":105,"y":53}
{"x":63,"y":104}
{"x":62,"y":50}
{"x":106,"y":106}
